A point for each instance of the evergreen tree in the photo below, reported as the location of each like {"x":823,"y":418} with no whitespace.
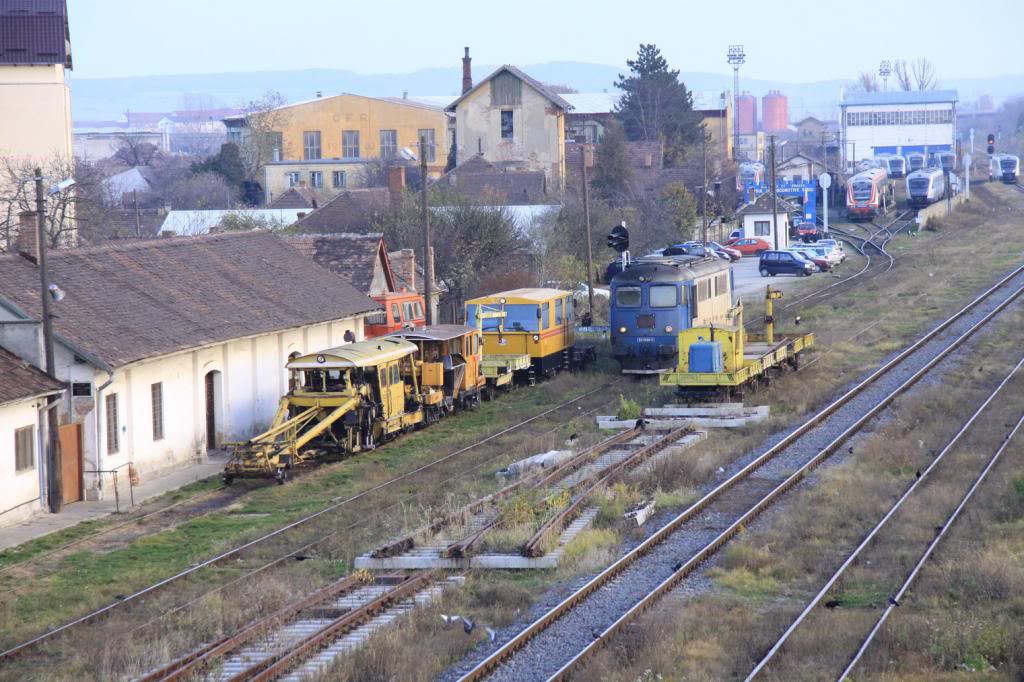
{"x":655,"y":105}
{"x":612,"y":171}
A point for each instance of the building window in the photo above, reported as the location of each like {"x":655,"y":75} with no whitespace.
{"x":350,"y":144}
{"x":388,"y":144}
{"x":339,"y":179}
{"x":156,"y":392}
{"x":24,"y":448}
{"x":311,"y":145}
{"x":293,"y":178}
{"x":113,"y":429}
{"x":276,"y":146}
{"x":235,"y":136}
{"x":506,"y":125}
{"x":762,"y":228}
{"x":316,"y":178}
{"x":428,"y":134}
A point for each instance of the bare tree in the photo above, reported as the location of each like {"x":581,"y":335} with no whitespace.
{"x":264,"y":120}
{"x":868,"y":82}
{"x":67,"y":211}
{"x":134,"y":150}
{"x":924,"y":74}
{"x":903,"y":77}
{"x":196,"y":131}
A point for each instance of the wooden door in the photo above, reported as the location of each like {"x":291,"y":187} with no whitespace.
{"x":70,"y":436}
{"x":211,"y":412}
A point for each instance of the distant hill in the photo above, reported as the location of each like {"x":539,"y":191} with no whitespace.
{"x":106,"y":98}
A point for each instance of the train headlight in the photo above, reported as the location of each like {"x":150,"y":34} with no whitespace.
{"x":536,"y":337}
{"x":668,"y":329}
{"x":622,"y":330}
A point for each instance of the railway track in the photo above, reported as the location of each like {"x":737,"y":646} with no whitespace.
{"x":279,"y":549}
{"x":764,"y":664}
{"x":303,"y":638}
{"x":564,"y":637}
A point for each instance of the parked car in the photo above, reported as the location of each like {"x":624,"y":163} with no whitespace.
{"x":812,"y":255}
{"x":749,"y":246}
{"x":785,"y":263}
{"x":833,"y":256}
{"x":729,"y":253}
{"x":834,"y":245}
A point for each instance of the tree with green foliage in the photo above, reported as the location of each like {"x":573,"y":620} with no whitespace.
{"x":680,"y":207}
{"x":226,"y":163}
{"x":612,"y":171}
{"x":655,"y":105}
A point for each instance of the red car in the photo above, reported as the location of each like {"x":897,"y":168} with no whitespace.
{"x":749,"y":246}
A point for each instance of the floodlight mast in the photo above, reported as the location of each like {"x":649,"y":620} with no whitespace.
{"x":736,"y":57}
{"x":885,"y":70}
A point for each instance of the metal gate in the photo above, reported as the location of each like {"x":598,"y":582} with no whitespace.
{"x":70,"y":436}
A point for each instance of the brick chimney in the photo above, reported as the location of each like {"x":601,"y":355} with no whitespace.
{"x":27,"y":244}
{"x":396,"y":183}
{"x":467,"y":73}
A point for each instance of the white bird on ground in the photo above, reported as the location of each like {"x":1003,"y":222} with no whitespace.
{"x":449,"y":620}
{"x":491,"y":634}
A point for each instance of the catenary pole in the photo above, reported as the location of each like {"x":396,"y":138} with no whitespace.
{"x":55,"y":496}
{"x":428,"y":265}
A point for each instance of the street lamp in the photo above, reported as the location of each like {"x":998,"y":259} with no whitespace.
{"x":428,"y":269}
{"x":735,"y":56}
{"x":48,"y":292}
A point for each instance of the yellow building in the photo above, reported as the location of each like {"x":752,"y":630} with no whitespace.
{"x":35,"y":99}
{"x":716,"y":110}
{"x":350,"y":127}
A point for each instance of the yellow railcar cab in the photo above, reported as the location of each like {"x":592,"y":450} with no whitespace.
{"x":536,"y":322}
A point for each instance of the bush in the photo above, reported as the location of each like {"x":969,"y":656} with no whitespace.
{"x":628,"y":409}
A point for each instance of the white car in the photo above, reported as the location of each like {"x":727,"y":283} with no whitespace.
{"x":832,"y":245}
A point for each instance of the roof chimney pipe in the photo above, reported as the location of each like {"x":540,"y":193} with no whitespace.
{"x":467,"y":73}
{"x":27,"y":243}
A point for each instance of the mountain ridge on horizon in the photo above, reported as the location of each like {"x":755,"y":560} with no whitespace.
{"x":105,"y":98}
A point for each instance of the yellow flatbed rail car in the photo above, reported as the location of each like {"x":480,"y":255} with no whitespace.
{"x":742,"y":358}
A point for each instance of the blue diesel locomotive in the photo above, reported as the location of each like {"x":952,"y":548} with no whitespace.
{"x":654,"y":298}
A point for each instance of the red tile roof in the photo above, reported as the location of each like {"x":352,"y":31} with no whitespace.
{"x":353,"y":257}
{"x":34,"y":32}
{"x":21,"y":381}
{"x":131,"y":301}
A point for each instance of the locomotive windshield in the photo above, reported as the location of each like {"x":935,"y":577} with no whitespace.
{"x":862,"y":191}
{"x":627,"y":297}
{"x":1008,"y":164}
{"x":919,"y":184}
{"x":662,"y":296}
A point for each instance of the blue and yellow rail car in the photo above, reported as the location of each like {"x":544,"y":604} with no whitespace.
{"x":718,"y":362}
{"x":539,"y":323}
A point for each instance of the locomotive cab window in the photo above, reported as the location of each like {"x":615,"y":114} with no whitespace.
{"x":662,"y":296}
{"x":545,"y":316}
{"x":558,"y":312}
{"x":396,"y":316}
{"x":627,"y":297}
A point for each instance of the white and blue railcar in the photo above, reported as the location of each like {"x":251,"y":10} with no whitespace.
{"x":925,"y":186}
{"x":1005,"y":167}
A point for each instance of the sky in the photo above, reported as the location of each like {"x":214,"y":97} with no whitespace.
{"x":113,"y":38}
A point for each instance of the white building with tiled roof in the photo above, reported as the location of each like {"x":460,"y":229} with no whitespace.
{"x":897,"y":122}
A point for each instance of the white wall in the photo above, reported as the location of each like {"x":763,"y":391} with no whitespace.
{"x":17,"y":488}
{"x":867,"y":137}
{"x":747,"y":230}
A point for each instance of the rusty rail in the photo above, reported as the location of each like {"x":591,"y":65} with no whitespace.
{"x":507,"y":650}
{"x":534,"y":545}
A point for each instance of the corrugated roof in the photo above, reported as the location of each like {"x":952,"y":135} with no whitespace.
{"x":133,"y":301}
{"x":592,"y":102}
{"x":367,"y":353}
{"x":189,"y":223}
{"x":34,"y":32}
{"x":899,"y":97}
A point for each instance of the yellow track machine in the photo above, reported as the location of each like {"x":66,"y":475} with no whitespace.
{"x":342,"y":400}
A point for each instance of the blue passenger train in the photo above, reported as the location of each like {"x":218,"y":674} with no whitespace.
{"x":654,"y":298}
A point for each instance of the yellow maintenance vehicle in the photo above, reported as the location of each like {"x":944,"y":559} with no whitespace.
{"x":342,"y":400}
{"x":721,"y":361}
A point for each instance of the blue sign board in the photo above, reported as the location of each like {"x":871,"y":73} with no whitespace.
{"x":806,"y":191}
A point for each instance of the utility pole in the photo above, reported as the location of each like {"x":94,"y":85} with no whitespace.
{"x":428,"y":263}
{"x":586,"y":221}
{"x":775,"y":200}
{"x":55,"y":495}
{"x":138,"y":219}
{"x":704,"y":188}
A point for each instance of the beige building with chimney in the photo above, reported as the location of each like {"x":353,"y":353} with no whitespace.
{"x":35,"y":98}
{"x":512,"y":121}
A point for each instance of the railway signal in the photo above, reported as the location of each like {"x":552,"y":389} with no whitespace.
{"x":619,"y":238}
{"x":991,"y":143}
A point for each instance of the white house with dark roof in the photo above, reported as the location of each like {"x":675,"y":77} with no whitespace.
{"x":24,"y":390}
{"x":171,"y":347}
{"x":511,"y":119}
